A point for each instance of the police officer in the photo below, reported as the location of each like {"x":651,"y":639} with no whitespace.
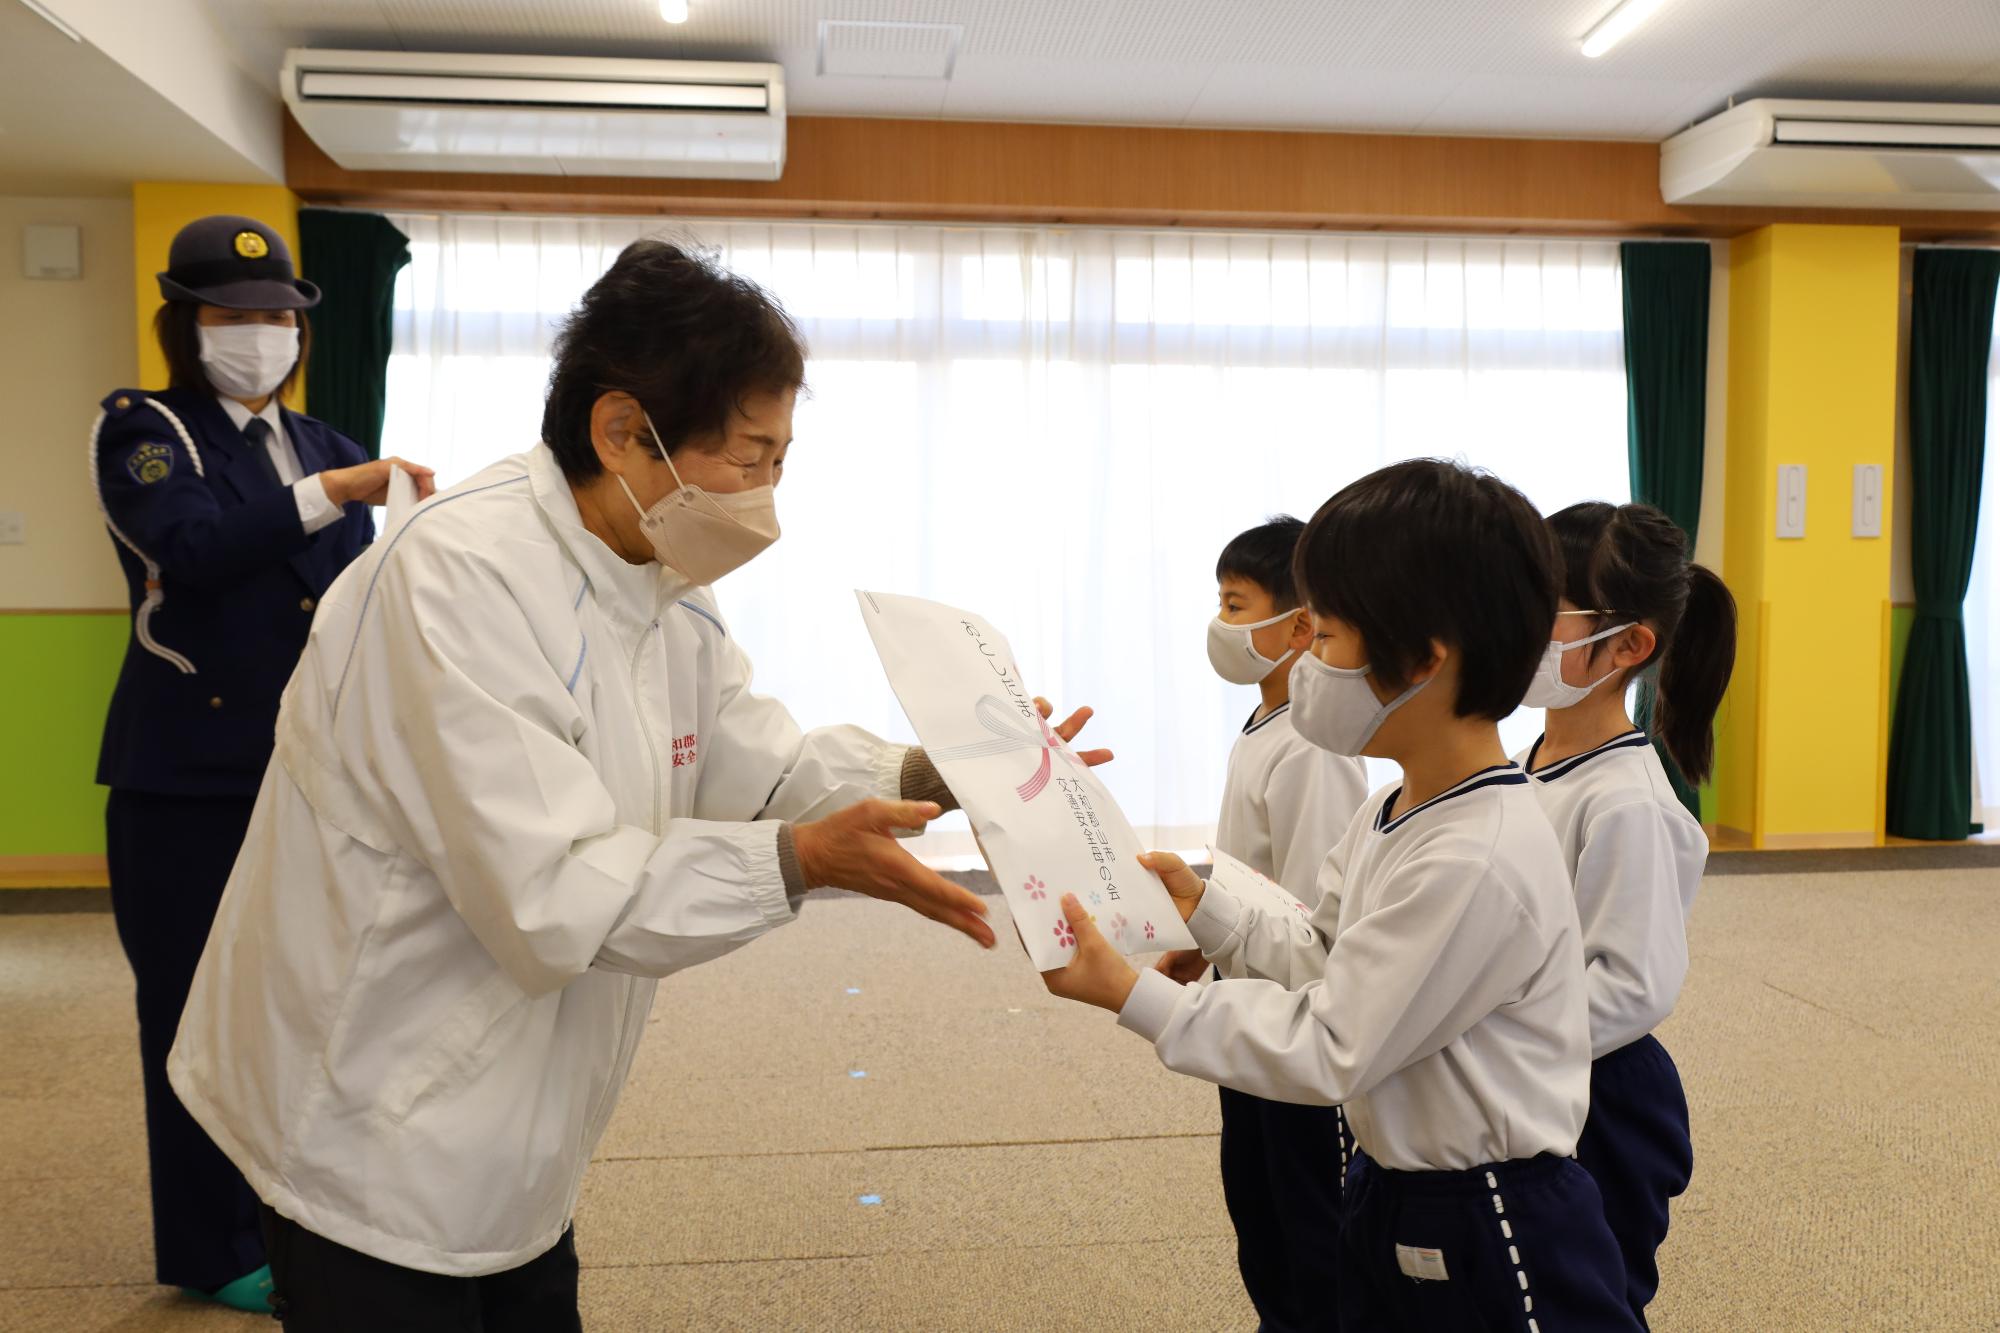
{"x":231,"y":515}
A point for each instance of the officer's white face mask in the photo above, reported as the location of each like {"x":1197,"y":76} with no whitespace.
{"x":1234,"y":657}
{"x":703,"y":535}
{"x":1334,"y":709}
{"x":248,"y":360}
{"x":1549,"y":689}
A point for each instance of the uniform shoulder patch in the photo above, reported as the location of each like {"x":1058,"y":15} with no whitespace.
{"x":150,"y":462}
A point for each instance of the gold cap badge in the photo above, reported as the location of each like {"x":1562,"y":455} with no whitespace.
{"x":250,"y":245}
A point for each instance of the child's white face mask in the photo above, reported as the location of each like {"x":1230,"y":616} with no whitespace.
{"x":1234,"y":657}
{"x":1333,"y":707}
{"x":1549,"y":689}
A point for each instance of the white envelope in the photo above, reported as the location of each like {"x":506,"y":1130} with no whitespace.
{"x":1047,"y":825}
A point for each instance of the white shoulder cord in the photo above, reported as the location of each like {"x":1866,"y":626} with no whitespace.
{"x":142,"y":623}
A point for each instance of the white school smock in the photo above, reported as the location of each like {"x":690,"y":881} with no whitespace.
{"x":1438,"y":991}
{"x":515,"y":783}
{"x":1286,"y":802}
{"x":1635,"y":857}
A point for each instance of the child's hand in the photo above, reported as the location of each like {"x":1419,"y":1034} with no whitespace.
{"x":1097,"y":974}
{"x":1182,"y":965}
{"x":1069,"y":727}
{"x":1185,"y":886}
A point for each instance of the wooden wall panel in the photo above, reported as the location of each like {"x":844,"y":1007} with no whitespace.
{"x":846,"y":167}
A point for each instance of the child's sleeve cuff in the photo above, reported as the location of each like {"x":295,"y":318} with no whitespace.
{"x":1151,"y":1004}
{"x":1213,"y":924}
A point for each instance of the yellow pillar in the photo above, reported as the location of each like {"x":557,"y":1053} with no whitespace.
{"x":161,"y":208}
{"x":1812,"y":381}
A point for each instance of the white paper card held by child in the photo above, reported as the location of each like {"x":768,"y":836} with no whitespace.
{"x":402,"y":498}
{"x":1048,"y":826}
{"x":1260,"y":890}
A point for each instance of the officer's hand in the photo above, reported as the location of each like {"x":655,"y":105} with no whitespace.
{"x":369,"y":482}
{"x":1069,"y":727}
{"x":857,"y":850}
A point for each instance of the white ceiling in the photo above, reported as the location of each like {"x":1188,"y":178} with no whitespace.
{"x":74,"y":122}
{"x":1502,"y":67}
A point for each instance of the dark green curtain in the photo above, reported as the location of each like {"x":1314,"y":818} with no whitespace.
{"x":354,"y":257}
{"x":1951,"y":335}
{"x":1666,"y":403}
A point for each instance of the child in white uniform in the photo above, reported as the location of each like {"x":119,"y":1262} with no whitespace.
{"x":1439,"y":991}
{"x":1285,"y":802}
{"x":1631,"y":599}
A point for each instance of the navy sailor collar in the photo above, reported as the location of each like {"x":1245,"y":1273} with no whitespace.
{"x":1500,"y":775}
{"x":1631,"y":740}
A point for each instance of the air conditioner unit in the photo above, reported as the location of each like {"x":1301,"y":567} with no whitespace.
{"x":540,"y":115}
{"x":1798,"y":154}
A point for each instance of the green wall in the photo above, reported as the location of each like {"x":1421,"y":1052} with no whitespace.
{"x":56,"y":674}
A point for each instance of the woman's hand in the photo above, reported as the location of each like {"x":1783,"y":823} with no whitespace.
{"x":369,"y":482}
{"x":1182,"y":965}
{"x":857,"y":850}
{"x":1069,"y":727}
{"x":1098,"y":974}
{"x":1185,"y":886}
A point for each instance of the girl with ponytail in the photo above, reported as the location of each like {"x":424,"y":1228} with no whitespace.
{"x":1632,"y":602}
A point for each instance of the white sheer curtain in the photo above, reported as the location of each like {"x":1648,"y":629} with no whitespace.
{"x":1060,"y":428}
{"x":1982,"y":617}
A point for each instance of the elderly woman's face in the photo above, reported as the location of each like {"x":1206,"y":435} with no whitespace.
{"x":751,"y":453}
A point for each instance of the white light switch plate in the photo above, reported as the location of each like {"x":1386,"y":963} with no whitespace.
{"x":13,"y":529}
{"x":1868,"y":499}
{"x":1791,"y":500}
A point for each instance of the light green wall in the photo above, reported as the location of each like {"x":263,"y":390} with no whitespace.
{"x":56,"y":674}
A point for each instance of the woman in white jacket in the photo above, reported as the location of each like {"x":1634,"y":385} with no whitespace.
{"x":520,"y":774}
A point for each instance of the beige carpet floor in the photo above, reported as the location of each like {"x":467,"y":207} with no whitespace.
{"x":1036,"y":1168}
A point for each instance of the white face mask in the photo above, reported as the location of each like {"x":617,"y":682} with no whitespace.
{"x":702,"y":535}
{"x":1234,"y":657}
{"x":1333,"y":707}
{"x":248,"y":360}
{"x":1549,"y":689}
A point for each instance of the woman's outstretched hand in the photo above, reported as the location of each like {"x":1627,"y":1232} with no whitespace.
{"x":857,"y":850}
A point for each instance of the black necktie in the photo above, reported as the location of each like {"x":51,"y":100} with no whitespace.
{"x":258,"y":432}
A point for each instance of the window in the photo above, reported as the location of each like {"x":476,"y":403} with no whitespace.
{"x":1982,"y":617}
{"x":1061,"y":428}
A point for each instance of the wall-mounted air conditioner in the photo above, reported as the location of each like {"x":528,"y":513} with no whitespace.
{"x":1797,"y":154}
{"x":542,"y":115}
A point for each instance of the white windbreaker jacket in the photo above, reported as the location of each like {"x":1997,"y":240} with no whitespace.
{"x":516,"y":780}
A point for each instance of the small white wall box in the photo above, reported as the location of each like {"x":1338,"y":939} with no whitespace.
{"x":1791,"y":500}
{"x":51,"y":250}
{"x":1868,"y":499}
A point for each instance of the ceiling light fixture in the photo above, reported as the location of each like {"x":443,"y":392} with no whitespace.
{"x":36,"y":6}
{"x":674,"y":11}
{"x":1616,"y":26}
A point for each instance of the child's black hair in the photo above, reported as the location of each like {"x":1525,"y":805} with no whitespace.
{"x":1430,"y":549}
{"x":1632,"y":562}
{"x":1263,"y":555}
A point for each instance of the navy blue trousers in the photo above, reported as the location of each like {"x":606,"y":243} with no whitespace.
{"x":323,"y":1287}
{"x":1281,"y":1172}
{"x":1636,"y":1147}
{"x":1516,"y":1246}
{"x":170,"y":857}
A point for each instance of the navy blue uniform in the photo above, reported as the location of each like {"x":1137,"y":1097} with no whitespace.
{"x":1519,"y":1246}
{"x":1282,"y":1170}
{"x":1636,"y":1147}
{"x":223,"y":580}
